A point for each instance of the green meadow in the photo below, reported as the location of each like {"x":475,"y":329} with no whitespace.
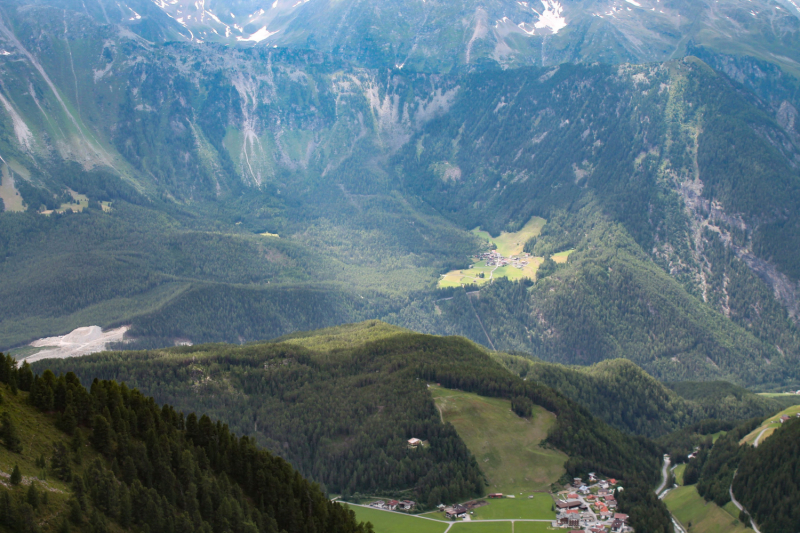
{"x":388,"y":522}
{"x":507,"y":447}
{"x":509,"y":244}
{"x":705,"y":517}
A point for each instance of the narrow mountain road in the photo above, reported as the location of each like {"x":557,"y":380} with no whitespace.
{"x":661,"y":492}
{"x":741,"y":507}
{"x":664,"y":477}
{"x":758,"y":439}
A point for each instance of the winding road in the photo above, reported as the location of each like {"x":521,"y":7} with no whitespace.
{"x":664,"y":477}
{"x":758,"y":439}
{"x":741,"y":507}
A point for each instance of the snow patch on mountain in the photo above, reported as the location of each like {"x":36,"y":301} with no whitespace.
{"x":552,"y":16}
{"x":259,"y":36}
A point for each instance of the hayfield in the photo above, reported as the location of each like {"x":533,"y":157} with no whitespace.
{"x":389,"y":522}
{"x":705,"y":517}
{"x":506,"y":446}
{"x":509,"y":244}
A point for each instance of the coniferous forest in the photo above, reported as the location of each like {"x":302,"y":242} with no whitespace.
{"x":131,"y":464}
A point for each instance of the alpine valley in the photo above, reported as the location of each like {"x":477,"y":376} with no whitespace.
{"x":409,"y":251}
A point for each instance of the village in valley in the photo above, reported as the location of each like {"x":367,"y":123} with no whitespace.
{"x":583,"y":507}
{"x":591,"y":507}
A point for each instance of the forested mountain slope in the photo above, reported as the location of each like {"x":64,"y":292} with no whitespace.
{"x":111,"y":459}
{"x":765,"y":482}
{"x":308,"y":396}
{"x":626,"y":397}
{"x":673,"y":185}
{"x":758,"y":472}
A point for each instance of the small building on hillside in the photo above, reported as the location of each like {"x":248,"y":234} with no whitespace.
{"x":496,"y":495}
{"x":784,"y":418}
{"x":392,"y":505}
{"x":413,"y":443}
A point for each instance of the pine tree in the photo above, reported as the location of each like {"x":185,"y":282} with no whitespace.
{"x":32,"y":497}
{"x":101,"y":434}
{"x":16,"y":476}
{"x":8,"y":432}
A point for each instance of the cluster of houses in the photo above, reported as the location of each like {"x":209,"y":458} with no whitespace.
{"x":393,"y":505}
{"x":493,"y":258}
{"x":591,"y":507}
{"x":462,"y":510}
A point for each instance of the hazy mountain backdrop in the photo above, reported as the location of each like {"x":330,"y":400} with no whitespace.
{"x":245,"y":169}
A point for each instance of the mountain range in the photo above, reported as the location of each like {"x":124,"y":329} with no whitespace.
{"x":234,"y":188}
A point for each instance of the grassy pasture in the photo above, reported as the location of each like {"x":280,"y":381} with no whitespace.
{"x":561,"y":257}
{"x":532,"y":527}
{"x":769,"y":425}
{"x":706,"y":517}
{"x":506,"y":446}
{"x":478,"y":527}
{"x":388,"y":522}
{"x":521,"y":507}
{"x":679,"y":470}
{"x":509,"y":244}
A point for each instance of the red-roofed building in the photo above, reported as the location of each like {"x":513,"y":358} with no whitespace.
{"x":621,"y":516}
{"x":612,"y":481}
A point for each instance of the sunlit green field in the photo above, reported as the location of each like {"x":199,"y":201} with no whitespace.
{"x":506,"y":446}
{"x":386,"y":522}
{"x":561,"y":257}
{"x":538,"y":508}
{"x":509,"y":244}
{"x":769,"y":426}
{"x":478,"y":527}
{"x":705,"y":517}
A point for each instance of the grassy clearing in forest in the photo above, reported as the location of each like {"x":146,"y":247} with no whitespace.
{"x":769,"y":425}
{"x":561,"y":257}
{"x":705,"y":517}
{"x":509,"y":244}
{"x":506,"y":446}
